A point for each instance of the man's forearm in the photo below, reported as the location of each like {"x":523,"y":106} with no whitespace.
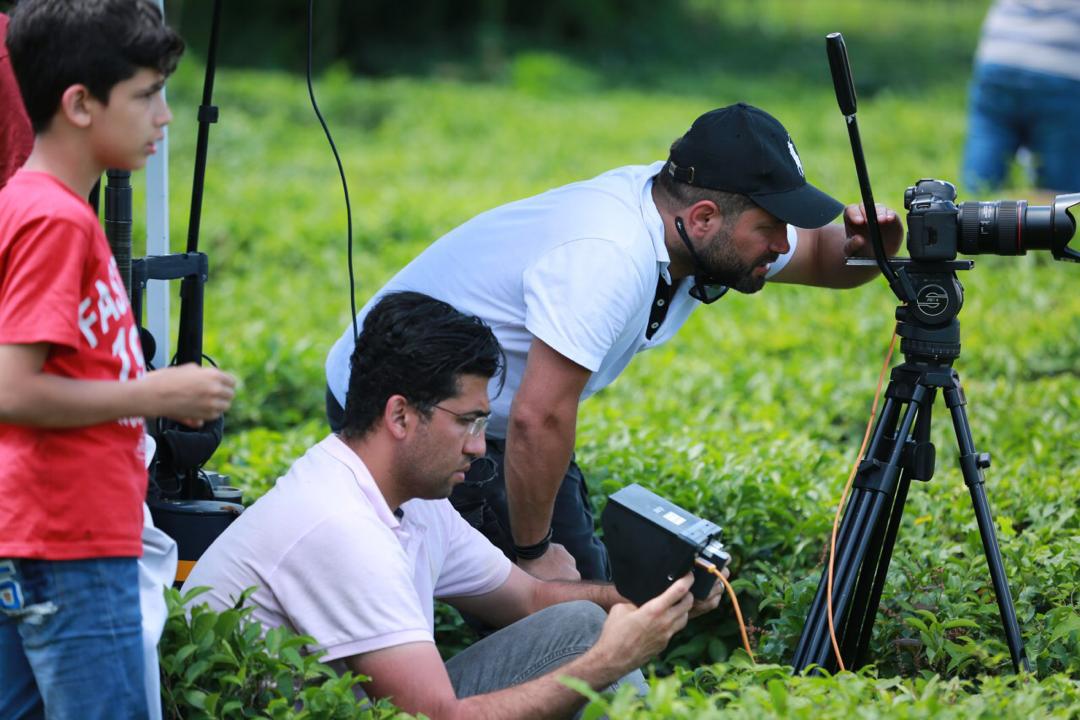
{"x":538,"y":450}
{"x":831,"y":260}
{"x":553,"y":592}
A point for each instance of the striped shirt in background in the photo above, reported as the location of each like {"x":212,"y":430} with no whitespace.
{"x":1038,"y":35}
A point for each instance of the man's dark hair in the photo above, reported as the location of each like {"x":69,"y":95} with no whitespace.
{"x":55,"y":44}
{"x":415,"y":346}
{"x":675,"y":195}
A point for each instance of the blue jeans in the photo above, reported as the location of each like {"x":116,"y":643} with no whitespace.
{"x":71,"y":639}
{"x":1010,"y":108}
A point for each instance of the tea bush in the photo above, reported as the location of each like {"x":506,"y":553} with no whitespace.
{"x":221,"y":665}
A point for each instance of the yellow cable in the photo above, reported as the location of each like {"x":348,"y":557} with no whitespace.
{"x":843,"y":500}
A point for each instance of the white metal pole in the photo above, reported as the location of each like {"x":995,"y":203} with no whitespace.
{"x":157,"y":243}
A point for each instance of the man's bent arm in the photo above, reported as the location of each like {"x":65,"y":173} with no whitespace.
{"x":820,"y":256}
{"x":539,"y":443}
{"x":522,"y":595}
{"x":414,"y":678}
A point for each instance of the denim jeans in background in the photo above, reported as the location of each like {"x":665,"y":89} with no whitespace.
{"x":71,"y":640}
{"x":1009,"y":108}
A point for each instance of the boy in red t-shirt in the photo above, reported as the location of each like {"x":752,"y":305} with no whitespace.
{"x":73,"y":382}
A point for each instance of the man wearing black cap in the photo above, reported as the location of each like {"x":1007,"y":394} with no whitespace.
{"x":576,"y":281}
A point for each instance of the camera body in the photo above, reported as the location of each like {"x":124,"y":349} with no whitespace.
{"x":933,"y":228}
{"x":938,"y":228}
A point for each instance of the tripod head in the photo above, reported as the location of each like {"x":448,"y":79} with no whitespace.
{"x":931,"y":296}
{"x":937,"y":229}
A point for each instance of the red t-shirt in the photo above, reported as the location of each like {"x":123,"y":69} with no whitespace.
{"x":67,"y":493}
{"x":16,"y":136}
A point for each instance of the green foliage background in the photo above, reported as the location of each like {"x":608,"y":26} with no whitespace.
{"x":753,"y":415}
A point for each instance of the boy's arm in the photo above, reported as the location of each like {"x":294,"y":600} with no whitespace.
{"x":28,"y":396}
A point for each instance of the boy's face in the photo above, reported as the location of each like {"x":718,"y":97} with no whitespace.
{"x":125,"y":132}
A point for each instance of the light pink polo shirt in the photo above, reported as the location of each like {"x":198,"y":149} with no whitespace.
{"x":332,"y":561}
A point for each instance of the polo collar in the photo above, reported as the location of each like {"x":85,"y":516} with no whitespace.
{"x":654,"y":223}
{"x":337,"y":449}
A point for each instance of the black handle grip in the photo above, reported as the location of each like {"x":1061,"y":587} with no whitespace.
{"x":841,"y":72}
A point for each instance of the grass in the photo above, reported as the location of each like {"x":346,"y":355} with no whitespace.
{"x":753,"y":415}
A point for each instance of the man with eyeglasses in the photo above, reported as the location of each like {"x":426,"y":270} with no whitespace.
{"x":352,"y":545}
{"x":579,"y":279}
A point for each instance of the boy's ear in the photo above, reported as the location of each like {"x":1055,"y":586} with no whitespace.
{"x":74,"y":105}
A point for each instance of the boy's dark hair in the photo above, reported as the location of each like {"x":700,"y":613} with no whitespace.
{"x":415,"y":346}
{"x":55,"y":44}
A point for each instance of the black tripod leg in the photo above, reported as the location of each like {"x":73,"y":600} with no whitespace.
{"x":873,"y":495}
{"x":860,"y":620}
{"x":851,"y":524}
{"x":972,"y":464}
{"x":867,"y":596}
{"x":815,"y":642}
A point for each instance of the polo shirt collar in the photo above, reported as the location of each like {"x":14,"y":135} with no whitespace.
{"x":336,"y":448}
{"x":654,"y":223}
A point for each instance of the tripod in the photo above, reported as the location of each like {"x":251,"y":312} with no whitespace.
{"x":900,"y":451}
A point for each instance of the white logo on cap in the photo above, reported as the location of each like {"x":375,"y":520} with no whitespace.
{"x":795,"y":156}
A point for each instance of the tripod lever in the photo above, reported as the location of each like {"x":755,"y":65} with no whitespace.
{"x":845,"y":97}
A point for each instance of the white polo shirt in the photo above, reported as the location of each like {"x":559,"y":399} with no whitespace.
{"x":332,"y":561}
{"x":576,"y":266}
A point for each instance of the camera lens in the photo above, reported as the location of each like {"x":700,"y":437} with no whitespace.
{"x":1004,"y":227}
{"x":992,"y":227}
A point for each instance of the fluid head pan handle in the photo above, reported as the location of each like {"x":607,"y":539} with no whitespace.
{"x":841,"y":72}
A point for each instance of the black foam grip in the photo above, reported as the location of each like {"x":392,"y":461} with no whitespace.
{"x":841,"y":72}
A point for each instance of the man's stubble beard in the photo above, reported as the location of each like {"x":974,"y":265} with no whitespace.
{"x":725,"y":266}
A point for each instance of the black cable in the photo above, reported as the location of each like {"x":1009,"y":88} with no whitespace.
{"x":341,"y":170}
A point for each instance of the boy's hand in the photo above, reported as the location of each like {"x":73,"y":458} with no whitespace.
{"x":189,"y":393}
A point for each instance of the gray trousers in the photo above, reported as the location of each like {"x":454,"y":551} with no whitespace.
{"x":529,"y":648}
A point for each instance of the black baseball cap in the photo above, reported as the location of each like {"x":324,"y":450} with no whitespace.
{"x":743,"y":149}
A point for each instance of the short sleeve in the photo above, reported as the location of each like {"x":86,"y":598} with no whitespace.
{"x":793,"y":242}
{"x":472,"y":565}
{"x":350,"y":590}
{"x":579,"y":297}
{"x":41,"y":279}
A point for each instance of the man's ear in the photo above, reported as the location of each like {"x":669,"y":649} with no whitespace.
{"x":702,"y":218}
{"x":75,"y":105}
{"x":398,"y":416}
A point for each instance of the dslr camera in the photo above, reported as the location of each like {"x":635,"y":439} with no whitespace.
{"x":938,"y":228}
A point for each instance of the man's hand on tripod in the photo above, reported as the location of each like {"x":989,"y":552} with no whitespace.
{"x":857,"y":231}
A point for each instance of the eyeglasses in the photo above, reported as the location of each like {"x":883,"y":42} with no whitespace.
{"x":704,"y":289}
{"x":475,"y":425}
